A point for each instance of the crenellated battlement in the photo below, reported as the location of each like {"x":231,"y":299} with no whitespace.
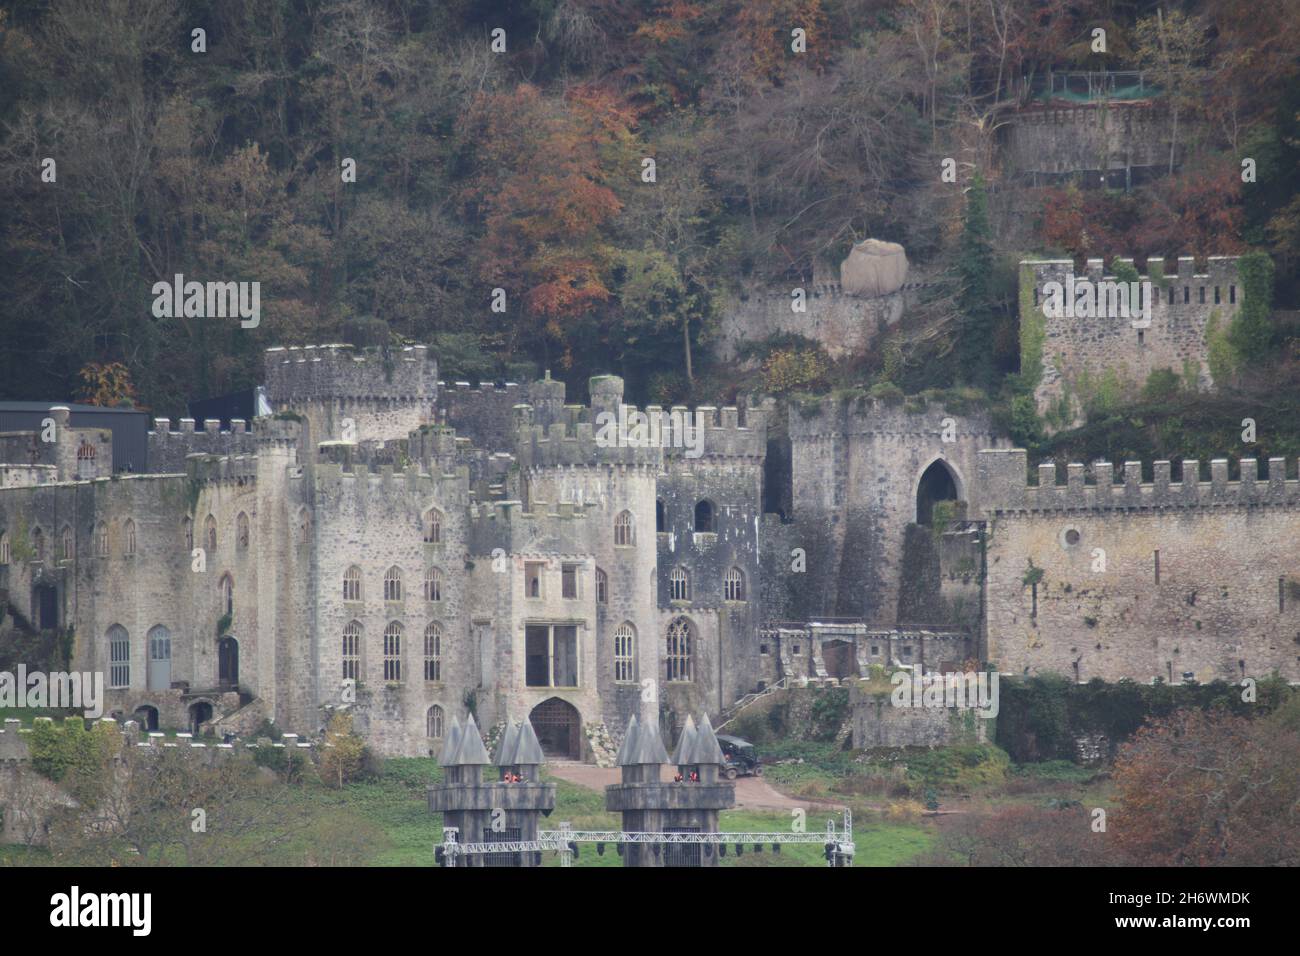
{"x":1003,"y":486}
{"x":918,"y":417}
{"x":627,"y":435}
{"x":561,"y":529}
{"x":483,"y":388}
{"x":169,"y":448}
{"x":329,"y":372}
{"x":1160,"y":270}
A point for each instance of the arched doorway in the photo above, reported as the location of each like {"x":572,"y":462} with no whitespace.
{"x":146,"y":717}
{"x":228,"y":662}
{"x":159,"y":676}
{"x":937,"y":484}
{"x":200,"y":714}
{"x":558,"y":726}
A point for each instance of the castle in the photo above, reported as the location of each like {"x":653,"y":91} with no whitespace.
{"x":412,"y":550}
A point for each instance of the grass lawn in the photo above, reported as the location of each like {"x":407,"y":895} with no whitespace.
{"x":385,"y":821}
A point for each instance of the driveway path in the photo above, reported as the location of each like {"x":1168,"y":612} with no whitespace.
{"x":752,"y":793}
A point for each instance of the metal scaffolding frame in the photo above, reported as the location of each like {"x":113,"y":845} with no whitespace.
{"x":564,"y":841}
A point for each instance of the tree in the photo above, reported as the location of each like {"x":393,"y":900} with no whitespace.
{"x":544,"y":192}
{"x":343,"y":753}
{"x":1204,"y":788}
{"x":1172,"y":47}
{"x":166,"y":806}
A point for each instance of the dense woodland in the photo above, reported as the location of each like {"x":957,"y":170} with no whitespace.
{"x":523,"y":170}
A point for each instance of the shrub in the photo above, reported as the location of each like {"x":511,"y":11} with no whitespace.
{"x":1162,"y":384}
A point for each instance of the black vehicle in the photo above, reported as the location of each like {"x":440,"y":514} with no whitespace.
{"x":741,"y":759}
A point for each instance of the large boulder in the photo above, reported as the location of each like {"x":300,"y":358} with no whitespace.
{"x":874,"y":268}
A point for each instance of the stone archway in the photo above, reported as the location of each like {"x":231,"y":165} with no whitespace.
{"x":559,"y":728}
{"x":200,"y":714}
{"x":228,"y":662}
{"x":146,"y":716}
{"x":937,"y":483}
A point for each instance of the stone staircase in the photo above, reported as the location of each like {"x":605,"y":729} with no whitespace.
{"x":732,"y":712}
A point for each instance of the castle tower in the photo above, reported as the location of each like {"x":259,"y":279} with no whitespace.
{"x":684,"y":806}
{"x":505,"y":810}
{"x":353,"y":395}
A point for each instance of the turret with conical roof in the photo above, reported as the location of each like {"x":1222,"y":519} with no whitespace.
{"x":481,"y":811}
{"x":649,"y":805}
{"x":519,"y":753}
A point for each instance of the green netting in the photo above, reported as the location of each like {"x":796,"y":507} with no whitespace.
{"x":1134,"y":92}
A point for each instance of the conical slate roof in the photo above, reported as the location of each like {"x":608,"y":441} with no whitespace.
{"x":706,"y":742}
{"x":685,"y":744}
{"x":470,"y":751}
{"x":506,"y":745}
{"x":450,"y":743}
{"x":641,"y":745}
{"x":528,"y":751}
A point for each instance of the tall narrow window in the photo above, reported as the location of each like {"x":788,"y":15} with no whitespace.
{"x":433,"y":722}
{"x":433,"y":526}
{"x":210,"y":532}
{"x":569,"y":581}
{"x":533,"y":578}
{"x":129,"y":531}
{"x":227,"y":594}
{"x":119,"y":657}
{"x":393,"y":652}
{"x":704,"y":517}
{"x":101,"y":540}
{"x":625,"y":654}
{"x":733,"y":585}
{"x":661,"y":520}
{"x":393,"y":584}
{"x":4,"y":549}
{"x":624,"y":530}
{"x":352,"y":584}
{"x":1156,"y":555}
{"x":602,"y":587}
{"x":432,"y":584}
{"x":241,"y":531}
{"x":677,"y":656}
{"x":66,"y":549}
{"x":187,"y":530}
{"x":1281,"y":595}
{"x":433,"y":652}
{"x":352,"y":651}
{"x":680,"y":584}
{"x":38,"y":544}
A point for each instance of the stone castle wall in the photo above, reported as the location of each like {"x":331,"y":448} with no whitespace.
{"x":1196,"y":581}
{"x":330,"y":385}
{"x":1041,"y":146}
{"x":841,"y":323}
{"x":856,"y":468}
{"x":1078,"y":354}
